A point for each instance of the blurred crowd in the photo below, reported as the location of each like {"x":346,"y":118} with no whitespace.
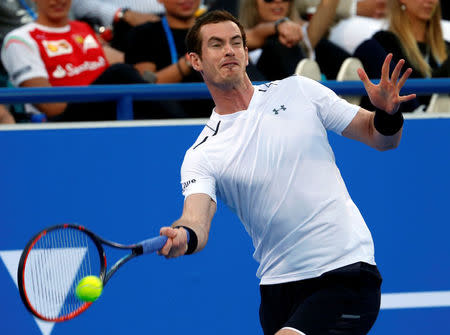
{"x":48,"y":43}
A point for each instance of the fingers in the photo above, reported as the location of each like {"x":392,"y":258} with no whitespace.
{"x":404,"y":78}
{"x":397,"y":69}
{"x":385,"y":68}
{"x":407,"y":97}
{"x":283,"y":40}
{"x":364,"y":78}
{"x":170,"y":233}
{"x":402,"y":82}
{"x":176,"y":244}
{"x":290,"y":33}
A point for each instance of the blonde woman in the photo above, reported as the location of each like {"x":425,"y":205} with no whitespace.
{"x":414,"y":34}
{"x":415,"y":31}
{"x":282,"y":39}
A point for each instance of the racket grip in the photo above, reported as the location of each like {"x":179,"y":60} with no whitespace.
{"x":156,"y":243}
{"x":153,"y":244}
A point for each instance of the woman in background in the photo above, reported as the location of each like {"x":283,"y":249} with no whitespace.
{"x":278,"y":39}
{"x":414,"y":34}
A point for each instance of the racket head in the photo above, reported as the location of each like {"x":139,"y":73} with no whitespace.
{"x":50,"y":267}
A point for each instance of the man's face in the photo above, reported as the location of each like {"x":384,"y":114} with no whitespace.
{"x":181,"y":9}
{"x":53,"y":11}
{"x":224,"y":57}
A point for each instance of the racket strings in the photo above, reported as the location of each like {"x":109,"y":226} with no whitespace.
{"x":55,"y":265}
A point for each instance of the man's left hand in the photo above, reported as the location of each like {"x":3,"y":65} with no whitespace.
{"x":386,"y":94}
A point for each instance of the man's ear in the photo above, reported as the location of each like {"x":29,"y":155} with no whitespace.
{"x":195,"y":61}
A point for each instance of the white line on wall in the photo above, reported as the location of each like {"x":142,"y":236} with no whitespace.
{"x":415,"y":300}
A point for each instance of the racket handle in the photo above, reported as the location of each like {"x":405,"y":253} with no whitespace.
{"x":156,"y":243}
{"x":153,"y":244}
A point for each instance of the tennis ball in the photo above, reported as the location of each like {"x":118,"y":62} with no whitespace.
{"x":89,"y":288}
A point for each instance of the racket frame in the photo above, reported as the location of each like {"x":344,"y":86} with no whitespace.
{"x":136,"y":250}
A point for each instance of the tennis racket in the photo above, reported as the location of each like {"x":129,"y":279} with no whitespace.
{"x":57,"y":258}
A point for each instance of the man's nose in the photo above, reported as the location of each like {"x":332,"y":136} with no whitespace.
{"x":229,"y":51}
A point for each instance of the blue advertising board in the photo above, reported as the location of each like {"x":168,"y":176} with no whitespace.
{"x":122,"y":182}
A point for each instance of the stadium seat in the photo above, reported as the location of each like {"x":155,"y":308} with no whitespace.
{"x":308,"y":68}
{"x":439,"y":103}
{"x":347,"y":72}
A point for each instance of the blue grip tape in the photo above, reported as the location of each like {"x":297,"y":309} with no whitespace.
{"x":153,"y":244}
{"x":156,"y":243}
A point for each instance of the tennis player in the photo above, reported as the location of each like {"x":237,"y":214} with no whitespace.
{"x":265,"y":153}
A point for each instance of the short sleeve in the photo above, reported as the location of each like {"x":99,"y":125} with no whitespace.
{"x":22,"y":60}
{"x":334,"y":112}
{"x":196,"y":175}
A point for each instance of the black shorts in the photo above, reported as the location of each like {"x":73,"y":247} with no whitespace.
{"x":345,"y":301}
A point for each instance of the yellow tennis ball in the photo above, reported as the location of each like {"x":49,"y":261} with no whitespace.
{"x":89,"y":288}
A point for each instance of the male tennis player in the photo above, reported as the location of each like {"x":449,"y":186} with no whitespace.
{"x":265,"y":153}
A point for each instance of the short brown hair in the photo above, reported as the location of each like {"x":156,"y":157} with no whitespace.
{"x":193,"y":38}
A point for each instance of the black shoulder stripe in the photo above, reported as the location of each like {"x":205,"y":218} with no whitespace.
{"x":204,"y":140}
{"x":267,"y":85}
{"x":215,"y":133}
{"x":217,"y":129}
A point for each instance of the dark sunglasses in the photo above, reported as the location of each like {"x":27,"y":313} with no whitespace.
{"x":269,"y":1}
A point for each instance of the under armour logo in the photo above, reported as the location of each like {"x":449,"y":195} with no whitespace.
{"x":282,"y":108}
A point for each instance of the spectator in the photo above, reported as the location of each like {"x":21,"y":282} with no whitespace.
{"x":284,"y":39}
{"x":55,"y":51}
{"x":120,"y":15}
{"x":414,"y":34}
{"x":157,"y":50}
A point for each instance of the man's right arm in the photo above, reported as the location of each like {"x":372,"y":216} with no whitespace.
{"x":49,"y":109}
{"x":198,"y":212}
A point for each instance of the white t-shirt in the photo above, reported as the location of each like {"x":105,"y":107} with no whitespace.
{"x":273,"y":166}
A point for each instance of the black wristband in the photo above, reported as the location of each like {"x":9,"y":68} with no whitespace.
{"x":193,"y":240}
{"x":278,"y":22}
{"x":387,"y":124}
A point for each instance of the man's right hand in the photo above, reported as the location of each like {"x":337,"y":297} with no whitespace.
{"x":176,"y":244}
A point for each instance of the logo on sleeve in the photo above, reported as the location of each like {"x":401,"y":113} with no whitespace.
{"x":187,"y":183}
{"x":20,"y":72}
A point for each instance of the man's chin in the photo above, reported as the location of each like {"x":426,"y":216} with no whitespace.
{"x":231,"y":80}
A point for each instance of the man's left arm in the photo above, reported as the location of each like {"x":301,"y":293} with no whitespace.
{"x":362,"y":128}
{"x":381,"y":130}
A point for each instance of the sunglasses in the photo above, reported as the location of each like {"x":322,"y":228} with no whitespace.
{"x":269,"y":1}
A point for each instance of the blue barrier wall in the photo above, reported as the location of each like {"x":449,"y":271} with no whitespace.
{"x":123,"y":183}
{"x":125,"y":94}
